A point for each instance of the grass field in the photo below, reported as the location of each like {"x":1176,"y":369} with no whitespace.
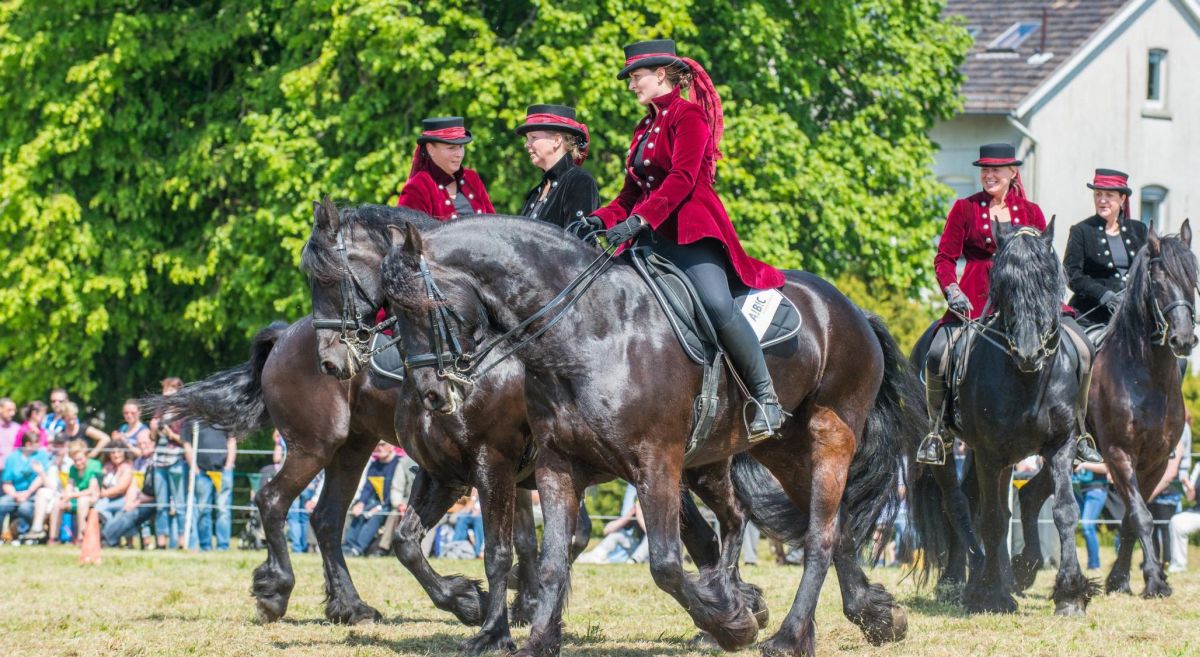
{"x":157,"y":603}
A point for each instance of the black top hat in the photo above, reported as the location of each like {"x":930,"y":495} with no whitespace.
{"x":658,"y":52}
{"x":997,"y":155}
{"x":554,"y":110}
{"x":1111,"y":179}
{"x":441,"y":123}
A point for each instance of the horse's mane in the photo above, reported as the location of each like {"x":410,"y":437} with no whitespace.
{"x":1133,"y":322}
{"x":1027,"y":282}
{"x":322,"y":263}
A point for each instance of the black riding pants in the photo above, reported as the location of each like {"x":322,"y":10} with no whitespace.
{"x":707,"y":266}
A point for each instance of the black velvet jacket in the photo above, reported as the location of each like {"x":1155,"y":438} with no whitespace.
{"x":1090,"y":268}
{"x":573,"y":195}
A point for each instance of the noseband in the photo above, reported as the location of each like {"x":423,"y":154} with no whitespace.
{"x":1162,"y":329}
{"x":356,"y":332}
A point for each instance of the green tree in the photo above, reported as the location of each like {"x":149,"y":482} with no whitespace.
{"x":159,"y":160}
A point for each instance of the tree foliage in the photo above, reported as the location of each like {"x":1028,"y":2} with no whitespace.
{"x":159,"y":159}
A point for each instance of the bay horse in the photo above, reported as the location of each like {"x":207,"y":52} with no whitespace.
{"x":1017,"y":398}
{"x":609,"y":392}
{"x":333,"y":426}
{"x":483,"y":441}
{"x":1136,"y":402}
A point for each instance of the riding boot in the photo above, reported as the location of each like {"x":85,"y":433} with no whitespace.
{"x":741,"y":344}
{"x":1085,"y":444}
{"x":933,"y":448}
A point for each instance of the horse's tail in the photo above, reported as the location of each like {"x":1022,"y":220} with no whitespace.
{"x":893,"y":430}
{"x":764,"y":500}
{"x":231,"y":399}
{"x":930,"y":522}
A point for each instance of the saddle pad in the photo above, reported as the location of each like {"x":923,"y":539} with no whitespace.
{"x":1096,"y":333}
{"x":387,"y":363}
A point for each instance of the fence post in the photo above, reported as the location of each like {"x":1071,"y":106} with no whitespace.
{"x":191,"y":493}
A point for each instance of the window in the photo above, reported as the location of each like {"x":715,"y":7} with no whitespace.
{"x":1013,"y":37}
{"x":1156,"y":76}
{"x":973,"y":31}
{"x":1152,"y":206}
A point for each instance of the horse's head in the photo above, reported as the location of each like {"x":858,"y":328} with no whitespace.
{"x":1027,"y":286}
{"x":1172,"y":281}
{"x":341,"y":260}
{"x":436,"y":319}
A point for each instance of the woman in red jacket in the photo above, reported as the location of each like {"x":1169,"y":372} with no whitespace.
{"x":973,"y":228}
{"x":669,"y":191}
{"x":438,"y":185}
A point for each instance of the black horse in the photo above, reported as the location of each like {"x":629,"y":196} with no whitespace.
{"x":609,"y":391}
{"x":1017,"y":398}
{"x":1136,"y":404}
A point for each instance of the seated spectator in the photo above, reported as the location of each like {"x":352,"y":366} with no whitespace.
{"x":53,"y":422}
{"x":132,"y":429}
{"x":402,"y":482}
{"x":73,"y":429}
{"x":137,"y":509}
{"x":33,"y":413}
{"x":618,"y":544}
{"x":83,"y":489}
{"x":373,"y":505}
{"x":19,"y":483}
{"x":1185,"y":524}
{"x":470,"y":518}
{"x":54,"y":473}
{"x":8,"y":428}
{"x":115,"y":481}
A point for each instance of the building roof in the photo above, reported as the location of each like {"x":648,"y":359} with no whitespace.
{"x":1001,"y":73}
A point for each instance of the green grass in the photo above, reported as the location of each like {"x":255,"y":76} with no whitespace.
{"x":158,"y":603}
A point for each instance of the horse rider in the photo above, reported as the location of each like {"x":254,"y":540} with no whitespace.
{"x":557,"y":144}
{"x":1100,"y":249}
{"x":668,"y":192}
{"x":973,"y":229}
{"x":438,"y":185}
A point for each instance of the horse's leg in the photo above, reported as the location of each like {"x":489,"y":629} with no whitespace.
{"x":867,"y":605}
{"x":965,"y":549}
{"x":1033,"y":495}
{"x":987,"y":591}
{"x":831,"y":444}
{"x":560,"y":503}
{"x":427,"y":503}
{"x":1140,"y":522}
{"x":714,"y":486}
{"x":525,"y":573}
{"x":711,"y":600}
{"x":495,"y":478}
{"x":1118,"y":577}
{"x":1072,"y":591}
{"x":273,"y":580}
{"x":342,"y":603}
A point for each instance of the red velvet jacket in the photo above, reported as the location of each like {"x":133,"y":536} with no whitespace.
{"x":968,"y":233}
{"x":426,"y":191}
{"x":676,"y":194}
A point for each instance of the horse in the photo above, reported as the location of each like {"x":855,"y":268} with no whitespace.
{"x":1136,"y":403}
{"x":489,"y":437}
{"x":333,"y":426}
{"x":1018,"y":398}
{"x":609,"y":392}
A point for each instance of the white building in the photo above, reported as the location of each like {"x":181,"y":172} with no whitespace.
{"x":1077,"y":85}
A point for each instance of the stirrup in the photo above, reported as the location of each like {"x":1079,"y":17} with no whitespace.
{"x":932,"y":450}
{"x":1086,"y":449}
{"x":768,"y":417}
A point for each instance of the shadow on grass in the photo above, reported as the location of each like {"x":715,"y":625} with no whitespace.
{"x":929,"y":605}
{"x":442,"y":643}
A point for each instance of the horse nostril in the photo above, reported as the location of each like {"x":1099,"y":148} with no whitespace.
{"x":433,"y":398}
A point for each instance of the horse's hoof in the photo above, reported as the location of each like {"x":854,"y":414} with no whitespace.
{"x":949,"y":592}
{"x":1156,"y":589}
{"x":1069,"y":609}
{"x":990,"y":604}
{"x":269,"y":612}
{"x":1025,"y":571}
{"x":895,"y":629}
{"x":1118,"y":586}
{"x":486,"y":642}
{"x":703,"y":641}
{"x":781,"y":646}
{"x":351,"y":613}
{"x":520,"y":613}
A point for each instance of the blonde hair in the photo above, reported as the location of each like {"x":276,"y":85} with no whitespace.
{"x":76,"y":446}
{"x":72,"y":409}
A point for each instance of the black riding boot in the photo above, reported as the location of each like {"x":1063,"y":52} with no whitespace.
{"x":932,"y":450}
{"x":1085,"y":444}
{"x":744,"y":351}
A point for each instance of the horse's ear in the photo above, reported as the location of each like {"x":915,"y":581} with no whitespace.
{"x":1154,"y":243}
{"x":412,"y":240}
{"x":1185,"y":233}
{"x":1048,"y":233}
{"x":325,"y":215}
{"x":396,"y":235}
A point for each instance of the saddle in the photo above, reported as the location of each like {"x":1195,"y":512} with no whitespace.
{"x":773,"y":317}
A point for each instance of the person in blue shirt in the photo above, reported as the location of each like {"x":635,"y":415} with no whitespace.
{"x":374,"y":503}
{"x":20,"y":481}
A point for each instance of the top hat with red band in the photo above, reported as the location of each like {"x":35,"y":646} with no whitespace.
{"x":648,"y":54}
{"x":551,"y":117}
{"x":444,"y":129}
{"x":997,"y":155}
{"x":1111,"y":179}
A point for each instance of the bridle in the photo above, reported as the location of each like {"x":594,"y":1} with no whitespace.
{"x":354,"y":325}
{"x":1162,"y":329}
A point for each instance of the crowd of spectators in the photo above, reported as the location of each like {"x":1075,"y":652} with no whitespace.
{"x":56,"y":468}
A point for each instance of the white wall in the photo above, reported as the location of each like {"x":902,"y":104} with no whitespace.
{"x":959,"y":140}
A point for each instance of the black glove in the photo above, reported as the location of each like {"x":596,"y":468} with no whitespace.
{"x":957,"y":300}
{"x":1111,"y":300}
{"x":625,"y":231}
{"x":588,"y":225}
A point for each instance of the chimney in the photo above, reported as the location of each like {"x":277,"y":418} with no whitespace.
{"x":1045,"y":22}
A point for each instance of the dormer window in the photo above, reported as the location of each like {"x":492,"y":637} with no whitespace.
{"x":1013,"y":37}
{"x":1156,"y":71}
